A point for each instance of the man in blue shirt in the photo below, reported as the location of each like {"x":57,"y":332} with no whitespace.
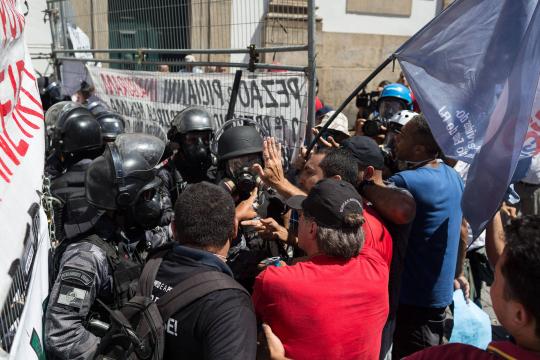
{"x":430,"y":261}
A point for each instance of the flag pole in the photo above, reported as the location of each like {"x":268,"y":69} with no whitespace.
{"x":355,"y":92}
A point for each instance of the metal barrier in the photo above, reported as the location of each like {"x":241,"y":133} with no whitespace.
{"x":186,"y":35}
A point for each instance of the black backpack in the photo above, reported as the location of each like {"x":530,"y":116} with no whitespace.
{"x":141,"y":321}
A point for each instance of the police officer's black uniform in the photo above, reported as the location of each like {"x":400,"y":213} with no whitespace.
{"x":104,"y":263}
{"x":249,"y":249}
{"x":191,"y":131}
{"x":76,"y":139}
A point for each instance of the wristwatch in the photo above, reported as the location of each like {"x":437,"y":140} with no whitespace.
{"x":363,"y":185}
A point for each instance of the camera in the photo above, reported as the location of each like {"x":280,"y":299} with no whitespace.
{"x":373,"y":127}
{"x":367,"y":100}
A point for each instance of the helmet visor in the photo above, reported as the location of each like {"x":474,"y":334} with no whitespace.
{"x":389,"y":107}
{"x":147,"y":147}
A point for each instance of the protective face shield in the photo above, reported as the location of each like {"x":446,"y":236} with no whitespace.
{"x":390,"y":106}
{"x":117,"y":179}
{"x":240,"y":170}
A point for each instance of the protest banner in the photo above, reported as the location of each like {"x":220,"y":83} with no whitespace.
{"x":150,"y":100}
{"x":24,"y":240}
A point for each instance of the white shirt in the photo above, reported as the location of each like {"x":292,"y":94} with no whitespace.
{"x":533,"y":175}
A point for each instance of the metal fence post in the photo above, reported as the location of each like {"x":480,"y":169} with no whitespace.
{"x":311,"y":71}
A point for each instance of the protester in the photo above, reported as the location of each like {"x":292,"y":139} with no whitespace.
{"x":335,"y":304}
{"x":86,"y":94}
{"x":430,"y":262}
{"x":394,"y":98}
{"x":399,"y":206}
{"x":220,"y":324}
{"x":341,"y":164}
{"x":337,"y":131}
{"x":191,"y":68}
{"x":367,"y":102}
{"x":514,"y":297}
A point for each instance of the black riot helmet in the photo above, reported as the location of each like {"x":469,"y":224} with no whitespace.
{"x":192,"y":130}
{"x":51,"y":117}
{"x":50,"y":92}
{"x":112,"y":124}
{"x":188,"y":120}
{"x":238,"y":141}
{"x":117,"y":179}
{"x":238,"y":149}
{"x":76,"y":130}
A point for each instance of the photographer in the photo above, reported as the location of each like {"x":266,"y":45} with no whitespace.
{"x":394,"y":98}
{"x":367,"y":102}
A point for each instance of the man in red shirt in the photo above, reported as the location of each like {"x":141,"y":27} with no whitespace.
{"x":515,"y":296}
{"x":335,"y":304}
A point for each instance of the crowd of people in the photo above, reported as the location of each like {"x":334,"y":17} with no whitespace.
{"x":208,"y":247}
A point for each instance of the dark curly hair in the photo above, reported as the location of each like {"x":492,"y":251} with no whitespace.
{"x":521,"y":266}
{"x":204,"y":216}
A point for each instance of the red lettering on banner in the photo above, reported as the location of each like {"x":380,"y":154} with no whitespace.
{"x":9,"y":13}
{"x":109,"y":90}
{"x":122,"y":86}
{"x":26,"y":114}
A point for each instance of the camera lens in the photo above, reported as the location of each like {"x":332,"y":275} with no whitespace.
{"x":371,"y":128}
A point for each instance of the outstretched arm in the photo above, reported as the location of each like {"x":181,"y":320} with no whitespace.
{"x":272,"y":174}
{"x":495,"y":239}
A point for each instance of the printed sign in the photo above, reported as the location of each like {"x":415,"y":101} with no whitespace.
{"x":150,"y":100}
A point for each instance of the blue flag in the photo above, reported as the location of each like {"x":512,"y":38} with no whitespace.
{"x":475,"y":72}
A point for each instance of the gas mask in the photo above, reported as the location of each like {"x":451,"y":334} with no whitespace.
{"x":146,"y":212}
{"x":240,"y":172}
{"x":196,"y":152}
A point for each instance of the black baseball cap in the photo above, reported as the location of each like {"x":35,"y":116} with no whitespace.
{"x":365,"y":150}
{"x":328,"y":202}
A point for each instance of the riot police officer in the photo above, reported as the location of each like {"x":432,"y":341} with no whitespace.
{"x":238,"y":149}
{"x":76,"y":136}
{"x":191,"y":133}
{"x":112,"y":124}
{"x":101,"y":266}
{"x":50,"y":92}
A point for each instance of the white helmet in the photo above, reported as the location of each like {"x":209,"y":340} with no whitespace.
{"x":400,"y":119}
{"x":395,"y":124}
